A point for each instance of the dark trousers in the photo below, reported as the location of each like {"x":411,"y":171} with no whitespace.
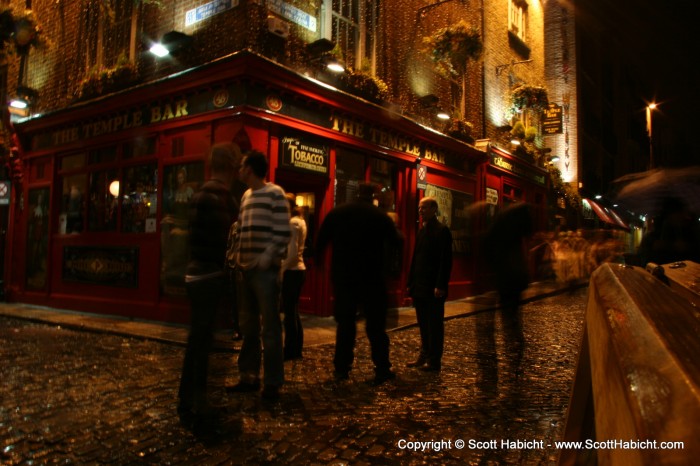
{"x":292,"y":282}
{"x":430,"y":313}
{"x":371,"y":298}
{"x":205,"y":296}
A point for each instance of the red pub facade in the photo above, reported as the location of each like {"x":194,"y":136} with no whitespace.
{"x":100,"y":219}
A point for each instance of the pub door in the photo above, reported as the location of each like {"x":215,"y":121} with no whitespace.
{"x":309,"y":197}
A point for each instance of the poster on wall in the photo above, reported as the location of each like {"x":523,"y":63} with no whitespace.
{"x":454,"y":211}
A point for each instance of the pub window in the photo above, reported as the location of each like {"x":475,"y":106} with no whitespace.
{"x":139,"y":198}
{"x":517,"y":18}
{"x":180,"y":182}
{"x":383,"y":174}
{"x":71,"y":218}
{"x":349,"y":173}
{"x":104,"y":201}
{"x":140,"y":147}
{"x":37,"y":239}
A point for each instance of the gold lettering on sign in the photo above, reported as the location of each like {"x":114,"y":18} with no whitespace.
{"x":166,"y":111}
{"x":65,"y":136}
{"x":500,"y":162}
{"x":434,"y":156}
{"x":349,"y":127}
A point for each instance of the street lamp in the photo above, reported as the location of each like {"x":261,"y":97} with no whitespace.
{"x":650,"y":108}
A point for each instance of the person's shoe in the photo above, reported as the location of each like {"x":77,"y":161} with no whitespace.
{"x":244,"y":387}
{"x":417,"y":363}
{"x":271,"y":392}
{"x":430,"y":368}
{"x":382,"y":377}
{"x":340,"y":376}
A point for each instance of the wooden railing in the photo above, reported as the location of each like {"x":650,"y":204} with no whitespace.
{"x":638,"y":378}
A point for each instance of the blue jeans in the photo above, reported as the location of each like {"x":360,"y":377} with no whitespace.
{"x":261,"y":326}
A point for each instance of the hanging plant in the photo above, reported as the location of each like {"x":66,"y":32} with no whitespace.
{"x":563,"y":190}
{"x":364,"y":84}
{"x":452,"y":47}
{"x":100,"y":80}
{"x":460,"y":129}
{"x":527,"y":97}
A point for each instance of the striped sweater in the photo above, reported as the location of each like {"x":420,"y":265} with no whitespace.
{"x":264,"y":224}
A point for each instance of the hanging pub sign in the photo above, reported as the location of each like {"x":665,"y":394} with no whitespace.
{"x":552,"y":122}
{"x":305,"y":155}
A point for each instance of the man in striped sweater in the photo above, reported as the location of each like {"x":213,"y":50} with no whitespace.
{"x":265,"y":233}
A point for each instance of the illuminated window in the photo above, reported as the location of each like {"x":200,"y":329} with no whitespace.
{"x":109,"y":28}
{"x":352,"y":25}
{"x":517,"y":18}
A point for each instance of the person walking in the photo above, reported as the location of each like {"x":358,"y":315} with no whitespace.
{"x":505,"y":248}
{"x":428,"y":281}
{"x":264,"y":236}
{"x":360,"y":235}
{"x":212,"y":211}
{"x":293,"y":275}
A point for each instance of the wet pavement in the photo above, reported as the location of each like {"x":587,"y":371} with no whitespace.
{"x":83,"y":397}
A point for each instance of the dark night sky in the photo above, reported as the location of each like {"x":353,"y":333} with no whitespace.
{"x":662,"y":43}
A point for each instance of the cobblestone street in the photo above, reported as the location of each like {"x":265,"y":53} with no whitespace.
{"x":90,"y":398}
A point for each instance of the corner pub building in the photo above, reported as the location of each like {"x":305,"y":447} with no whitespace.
{"x":100,"y":222}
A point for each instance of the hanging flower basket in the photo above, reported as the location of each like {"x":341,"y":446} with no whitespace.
{"x":105,"y":80}
{"x":452,"y":47}
{"x":528,"y":97}
{"x":367,"y":86}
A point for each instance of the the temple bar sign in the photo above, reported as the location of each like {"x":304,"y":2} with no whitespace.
{"x":553,"y":118}
{"x":305,"y":155}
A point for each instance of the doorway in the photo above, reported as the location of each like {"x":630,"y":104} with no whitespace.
{"x":310,"y":194}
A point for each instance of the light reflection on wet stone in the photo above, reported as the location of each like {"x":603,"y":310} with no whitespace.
{"x":83,"y":397}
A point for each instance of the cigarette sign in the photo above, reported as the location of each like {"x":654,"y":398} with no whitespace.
{"x":4,"y":192}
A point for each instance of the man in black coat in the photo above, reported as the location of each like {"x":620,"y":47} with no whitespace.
{"x":362,"y":239}
{"x":428,"y":281}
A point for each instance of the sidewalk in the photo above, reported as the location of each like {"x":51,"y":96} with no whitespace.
{"x":317,"y":330}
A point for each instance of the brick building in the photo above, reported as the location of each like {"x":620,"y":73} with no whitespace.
{"x":115,"y":140}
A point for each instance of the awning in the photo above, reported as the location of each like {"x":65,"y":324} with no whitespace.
{"x":607,"y":215}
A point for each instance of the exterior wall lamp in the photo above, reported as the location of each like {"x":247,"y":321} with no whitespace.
{"x":320,"y":52}
{"x":171,"y":43}
{"x":430,"y":102}
{"x":25,"y":97}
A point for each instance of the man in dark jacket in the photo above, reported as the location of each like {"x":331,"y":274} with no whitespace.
{"x":428,"y":280}
{"x":212,"y":211}
{"x":362,"y":238}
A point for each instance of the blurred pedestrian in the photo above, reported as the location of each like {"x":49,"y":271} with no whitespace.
{"x":505,"y":248}
{"x":212,"y":210}
{"x":293,"y":275}
{"x":674,"y":235}
{"x":428,"y":281}
{"x":264,"y":230}
{"x":359,"y":234}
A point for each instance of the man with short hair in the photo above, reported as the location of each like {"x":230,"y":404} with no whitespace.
{"x":362,"y":238}
{"x":428,"y":280}
{"x":264,"y":236}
